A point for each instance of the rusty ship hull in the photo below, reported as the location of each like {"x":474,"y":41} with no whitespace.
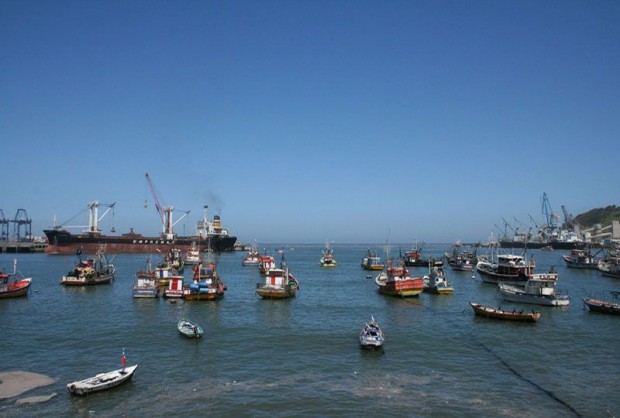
{"x":64,"y":242}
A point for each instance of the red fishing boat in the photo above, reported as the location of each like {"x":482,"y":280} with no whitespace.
{"x":396,"y":280}
{"x":16,"y":287}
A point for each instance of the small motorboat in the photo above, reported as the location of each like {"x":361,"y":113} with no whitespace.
{"x":371,"y":336}
{"x":189,"y":329}
{"x":498,"y":313}
{"x":102,"y":381}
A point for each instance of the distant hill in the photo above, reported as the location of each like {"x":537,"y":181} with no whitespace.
{"x":602,"y":216}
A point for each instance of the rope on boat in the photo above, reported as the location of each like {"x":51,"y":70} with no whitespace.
{"x":536,"y":385}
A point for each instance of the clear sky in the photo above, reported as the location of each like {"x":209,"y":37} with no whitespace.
{"x":305,"y":121}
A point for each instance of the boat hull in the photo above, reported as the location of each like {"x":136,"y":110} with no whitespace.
{"x":440,"y":290}
{"x":600,"y":306}
{"x":145,"y":293}
{"x":556,"y":245}
{"x":63,"y":242}
{"x":102,"y":381}
{"x":516,"y":294}
{"x":16,"y":289}
{"x":82,"y":281}
{"x":488,"y":312}
{"x":275,"y":293}
{"x":423,"y":263}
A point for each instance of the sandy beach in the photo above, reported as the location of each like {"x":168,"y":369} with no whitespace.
{"x":17,"y":382}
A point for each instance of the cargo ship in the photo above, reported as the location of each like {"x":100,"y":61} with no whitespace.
{"x":209,"y":235}
{"x":556,"y":245}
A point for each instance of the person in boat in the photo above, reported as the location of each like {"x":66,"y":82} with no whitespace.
{"x":124,"y":361}
{"x":195,"y":330}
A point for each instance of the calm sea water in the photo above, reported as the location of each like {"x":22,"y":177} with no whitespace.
{"x":300,"y":357}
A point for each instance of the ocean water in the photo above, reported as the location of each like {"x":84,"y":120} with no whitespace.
{"x":300,"y":357}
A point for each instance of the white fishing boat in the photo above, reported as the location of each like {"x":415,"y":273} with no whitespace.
{"x":510,"y":269}
{"x":537,"y":291}
{"x":252,"y":258}
{"x":371,"y":336}
{"x":145,"y":287}
{"x":102,"y":381}
{"x":437,"y":282}
{"x":192,"y":257}
{"x":327,"y":258}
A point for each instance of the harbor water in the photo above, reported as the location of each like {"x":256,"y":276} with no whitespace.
{"x":300,"y":357}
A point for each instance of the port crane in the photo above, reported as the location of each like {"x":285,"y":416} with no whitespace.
{"x":569,"y":222}
{"x":21,"y":219}
{"x":529,"y":230}
{"x":551,"y":217}
{"x":4,"y":224}
{"x":93,"y":218}
{"x":165,"y":213}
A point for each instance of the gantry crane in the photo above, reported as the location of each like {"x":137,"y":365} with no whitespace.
{"x":21,"y":219}
{"x":4,"y":227}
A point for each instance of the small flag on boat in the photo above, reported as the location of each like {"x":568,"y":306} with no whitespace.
{"x":124,"y":360}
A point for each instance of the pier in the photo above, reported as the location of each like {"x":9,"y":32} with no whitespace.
{"x":21,"y":240}
{"x":29,"y":246}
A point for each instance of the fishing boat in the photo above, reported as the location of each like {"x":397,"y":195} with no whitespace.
{"x":498,"y":313}
{"x":145,"y":287}
{"x":252,"y":258}
{"x":206,"y":286}
{"x":396,"y":280}
{"x":580,"y":259}
{"x":192,"y":256}
{"x":461,"y":260}
{"x":437,"y":283}
{"x":371,"y":336}
{"x":327,"y":258}
{"x":510,"y":269}
{"x":90,"y":271}
{"x":278,"y":283}
{"x":609,"y":263}
{"x":16,"y":287}
{"x":171,"y":266}
{"x":266,"y":263}
{"x":174,"y":290}
{"x":208,"y":234}
{"x":612,"y":269}
{"x":189,"y":328}
{"x":414,"y":258}
{"x":372,"y":261}
{"x":102,"y":381}
{"x":537,"y":291}
{"x":602,"y":306}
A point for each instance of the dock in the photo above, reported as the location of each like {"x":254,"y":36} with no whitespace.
{"x":27,"y":246}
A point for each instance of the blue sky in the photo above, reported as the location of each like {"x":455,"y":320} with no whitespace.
{"x":303,"y":121}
